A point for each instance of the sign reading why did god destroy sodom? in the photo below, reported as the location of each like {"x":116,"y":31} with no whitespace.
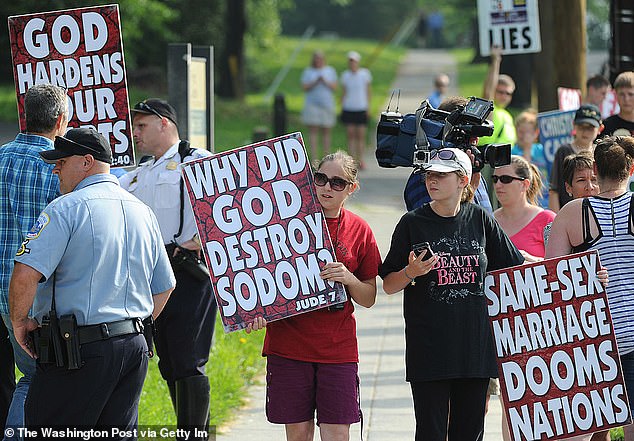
{"x":560,"y":374}
{"x":263,"y":232}
{"x":80,"y":50}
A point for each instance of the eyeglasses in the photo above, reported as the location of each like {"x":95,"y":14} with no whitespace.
{"x":504,"y":92}
{"x":506,"y":179}
{"x":144,"y":106}
{"x":336,"y":183}
{"x":446,"y":155}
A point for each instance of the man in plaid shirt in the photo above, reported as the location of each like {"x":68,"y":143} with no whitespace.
{"x":27,"y":185}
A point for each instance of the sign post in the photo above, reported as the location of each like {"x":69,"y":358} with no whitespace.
{"x":190,"y":77}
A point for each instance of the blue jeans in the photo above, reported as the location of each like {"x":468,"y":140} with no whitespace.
{"x":26,"y":364}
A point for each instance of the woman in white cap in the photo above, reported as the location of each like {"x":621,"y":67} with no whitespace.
{"x":449,"y":348}
{"x":355,"y":104}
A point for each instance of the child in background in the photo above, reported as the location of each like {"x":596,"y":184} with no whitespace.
{"x":586,"y":127}
{"x":528,"y":147}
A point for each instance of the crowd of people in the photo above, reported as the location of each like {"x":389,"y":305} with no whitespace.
{"x":69,"y":226}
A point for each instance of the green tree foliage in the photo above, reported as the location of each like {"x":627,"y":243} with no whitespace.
{"x":377,"y":19}
{"x":146,"y":28}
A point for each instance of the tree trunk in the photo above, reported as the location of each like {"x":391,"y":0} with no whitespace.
{"x":562,"y":61}
{"x":232,"y":77}
{"x":544,"y":69}
{"x":570,"y":43}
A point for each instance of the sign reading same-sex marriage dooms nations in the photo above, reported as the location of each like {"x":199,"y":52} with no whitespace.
{"x":560,"y":374}
{"x":262,"y":231}
{"x":82,"y":51}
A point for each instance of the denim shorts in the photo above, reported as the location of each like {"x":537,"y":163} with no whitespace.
{"x":296,"y":389}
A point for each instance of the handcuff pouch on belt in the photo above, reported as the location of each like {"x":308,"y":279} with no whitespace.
{"x":57,"y":340}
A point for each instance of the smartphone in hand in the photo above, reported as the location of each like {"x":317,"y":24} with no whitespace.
{"x":423,"y":248}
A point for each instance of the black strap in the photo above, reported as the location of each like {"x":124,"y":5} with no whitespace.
{"x":184,"y":150}
{"x":53,"y":311}
{"x":585,"y":220}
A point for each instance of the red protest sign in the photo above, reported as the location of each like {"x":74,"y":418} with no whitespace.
{"x":560,"y":373}
{"x":80,"y":50}
{"x":569,"y":99}
{"x":263,"y":232}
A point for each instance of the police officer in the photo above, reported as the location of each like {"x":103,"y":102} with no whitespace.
{"x":185,"y":329}
{"x":94,"y":256}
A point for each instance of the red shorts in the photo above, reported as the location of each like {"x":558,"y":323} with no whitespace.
{"x":295,"y":389}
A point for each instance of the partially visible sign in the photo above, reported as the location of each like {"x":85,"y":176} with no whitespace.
{"x":263,"y":231}
{"x":610,"y":105}
{"x":82,"y":51}
{"x":569,"y":99}
{"x":560,"y":373}
{"x":512,"y":25}
{"x":555,"y":129}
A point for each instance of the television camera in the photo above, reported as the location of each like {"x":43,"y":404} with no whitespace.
{"x":405,"y":141}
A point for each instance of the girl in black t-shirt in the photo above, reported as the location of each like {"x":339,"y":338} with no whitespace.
{"x":449,"y":347}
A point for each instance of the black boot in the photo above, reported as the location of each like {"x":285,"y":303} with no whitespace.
{"x":192,"y":405}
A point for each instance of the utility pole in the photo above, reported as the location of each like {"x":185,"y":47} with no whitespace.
{"x":622,"y":30}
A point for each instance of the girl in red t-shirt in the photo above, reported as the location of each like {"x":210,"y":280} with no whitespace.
{"x":312,"y":358}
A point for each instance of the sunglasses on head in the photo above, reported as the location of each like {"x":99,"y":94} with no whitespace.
{"x":506,"y":179}
{"x":144,"y":106}
{"x":336,"y":183}
{"x":446,"y":155}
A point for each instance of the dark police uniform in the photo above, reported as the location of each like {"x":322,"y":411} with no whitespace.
{"x":185,"y":327}
{"x":100,"y":249}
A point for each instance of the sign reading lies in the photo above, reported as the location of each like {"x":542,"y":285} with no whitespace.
{"x":560,"y":373}
{"x":263,"y":232}
{"x":80,"y":50}
{"x":510,"y":24}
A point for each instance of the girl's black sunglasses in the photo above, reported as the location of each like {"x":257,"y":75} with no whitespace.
{"x":336,"y":183}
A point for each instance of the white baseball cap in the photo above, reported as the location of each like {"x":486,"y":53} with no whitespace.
{"x":354,"y":55}
{"x":449,"y":160}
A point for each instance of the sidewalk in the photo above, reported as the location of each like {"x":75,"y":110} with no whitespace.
{"x":385,"y":396}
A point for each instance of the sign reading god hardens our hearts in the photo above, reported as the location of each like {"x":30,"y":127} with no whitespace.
{"x":560,"y":374}
{"x":80,"y":50}
{"x":263,"y":231}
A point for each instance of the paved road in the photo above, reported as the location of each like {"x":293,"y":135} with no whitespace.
{"x":385,"y":396}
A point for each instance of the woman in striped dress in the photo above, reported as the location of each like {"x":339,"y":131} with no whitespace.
{"x":605,"y":222}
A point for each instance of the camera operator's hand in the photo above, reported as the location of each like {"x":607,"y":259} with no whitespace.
{"x":475,"y":177}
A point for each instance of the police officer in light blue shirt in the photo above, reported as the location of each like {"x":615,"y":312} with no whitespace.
{"x":97,"y":251}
